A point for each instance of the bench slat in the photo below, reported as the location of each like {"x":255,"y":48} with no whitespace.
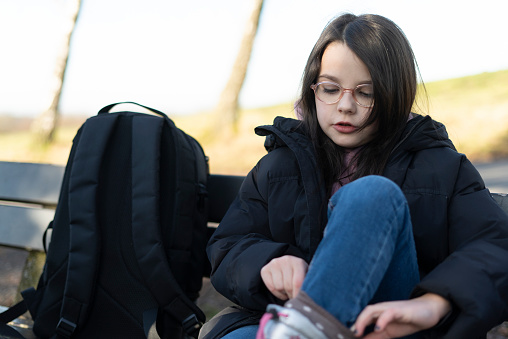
{"x":30,"y":182}
{"x":23,"y":227}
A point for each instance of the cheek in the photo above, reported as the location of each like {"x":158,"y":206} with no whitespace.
{"x":365,"y":112}
{"x":323,"y":111}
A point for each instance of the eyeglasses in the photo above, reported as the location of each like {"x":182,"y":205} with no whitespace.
{"x":331,"y":93}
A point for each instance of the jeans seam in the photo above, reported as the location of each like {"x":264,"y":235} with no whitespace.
{"x":377,"y":259}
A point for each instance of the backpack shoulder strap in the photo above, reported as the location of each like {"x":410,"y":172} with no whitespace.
{"x":84,"y":239}
{"x":147,"y":239}
{"x":9,"y":315}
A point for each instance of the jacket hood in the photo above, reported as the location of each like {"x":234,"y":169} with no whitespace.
{"x":422,"y":132}
{"x":283,"y":132}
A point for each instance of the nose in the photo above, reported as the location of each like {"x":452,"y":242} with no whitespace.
{"x":347,"y":102}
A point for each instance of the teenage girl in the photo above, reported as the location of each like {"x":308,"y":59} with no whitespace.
{"x":362,"y":219}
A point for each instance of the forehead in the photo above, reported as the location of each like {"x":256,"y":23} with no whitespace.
{"x":340,"y":64}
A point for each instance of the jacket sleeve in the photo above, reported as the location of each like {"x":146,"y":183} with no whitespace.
{"x":256,"y":229}
{"x":474,"y":277}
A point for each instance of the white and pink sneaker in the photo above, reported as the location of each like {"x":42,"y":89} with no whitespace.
{"x":301,"y":318}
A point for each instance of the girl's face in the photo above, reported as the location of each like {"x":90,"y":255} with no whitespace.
{"x":340,"y":121}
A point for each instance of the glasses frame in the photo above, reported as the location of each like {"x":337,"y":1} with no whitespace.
{"x":343,"y":90}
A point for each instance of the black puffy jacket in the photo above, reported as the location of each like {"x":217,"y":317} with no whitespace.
{"x":461,"y":234}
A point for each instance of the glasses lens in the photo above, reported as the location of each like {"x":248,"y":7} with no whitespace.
{"x":328,"y":92}
{"x":364,"y":95}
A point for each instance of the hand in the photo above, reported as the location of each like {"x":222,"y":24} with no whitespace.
{"x":284,"y":276}
{"x":400,"y":318}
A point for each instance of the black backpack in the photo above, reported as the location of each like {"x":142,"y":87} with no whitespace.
{"x":129,"y":234}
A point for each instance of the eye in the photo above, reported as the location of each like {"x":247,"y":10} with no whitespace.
{"x":329,"y":88}
{"x":365,"y":91}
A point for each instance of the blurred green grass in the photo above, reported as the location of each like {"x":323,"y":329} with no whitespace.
{"x":474,"y":109}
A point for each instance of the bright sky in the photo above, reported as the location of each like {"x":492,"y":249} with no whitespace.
{"x":177,"y":55}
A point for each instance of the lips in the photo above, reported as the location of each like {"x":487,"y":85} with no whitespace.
{"x":344,"y":127}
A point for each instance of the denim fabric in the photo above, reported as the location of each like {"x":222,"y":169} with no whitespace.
{"x":367,"y":253}
{"x":245,"y":332}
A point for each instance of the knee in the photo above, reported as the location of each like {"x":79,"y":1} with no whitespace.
{"x":369,"y":190}
{"x":370,"y":201}
{"x":376,"y":185}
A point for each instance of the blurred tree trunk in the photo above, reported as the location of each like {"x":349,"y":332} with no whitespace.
{"x":226,"y":110}
{"x":44,"y":125}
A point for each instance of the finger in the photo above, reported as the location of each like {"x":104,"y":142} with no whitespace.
{"x":287,"y":278}
{"x":376,"y":335}
{"x":284,"y":276}
{"x":368,"y":316}
{"x":266,"y":276}
{"x":391,"y":323}
{"x":278,"y":288}
{"x":277,"y":292}
{"x":280,"y":295}
{"x":298,"y":277}
{"x":286,"y":265}
{"x":385,"y":318}
{"x":278,"y":280}
{"x":272,"y":277}
{"x":294,"y":271}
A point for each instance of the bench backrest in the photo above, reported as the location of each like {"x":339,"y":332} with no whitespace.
{"x":28,"y":197}
{"x":29,"y":194}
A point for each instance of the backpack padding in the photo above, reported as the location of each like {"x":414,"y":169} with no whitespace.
{"x":201,"y":162}
{"x":201,"y":167}
{"x":83,"y":242}
{"x":146,"y":224}
{"x":203,"y":174}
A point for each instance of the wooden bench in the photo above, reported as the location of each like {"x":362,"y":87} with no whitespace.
{"x":29,"y":195}
{"x":28,"y":198}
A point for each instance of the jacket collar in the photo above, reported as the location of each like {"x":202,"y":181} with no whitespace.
{"x":420,"y":133}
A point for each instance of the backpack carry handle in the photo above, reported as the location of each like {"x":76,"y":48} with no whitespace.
{"x":107,"y":109}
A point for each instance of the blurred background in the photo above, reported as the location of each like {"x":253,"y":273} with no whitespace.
{"x":181,"y":56}
{"x":219,"y":68}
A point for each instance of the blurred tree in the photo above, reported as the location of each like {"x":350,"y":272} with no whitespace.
{"x":227,"y":108}
{"x":44,"y":125}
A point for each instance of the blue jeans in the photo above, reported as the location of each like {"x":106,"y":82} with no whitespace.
{"x":246,"y":332}
{"x":367,"y":254}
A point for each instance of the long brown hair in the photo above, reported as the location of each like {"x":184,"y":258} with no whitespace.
{"x":385,"y":50}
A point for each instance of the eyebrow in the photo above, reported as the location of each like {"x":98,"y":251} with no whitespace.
{"x":335,"y":79}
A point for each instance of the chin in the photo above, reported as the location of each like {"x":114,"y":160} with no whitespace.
{"x":346,"y":144}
